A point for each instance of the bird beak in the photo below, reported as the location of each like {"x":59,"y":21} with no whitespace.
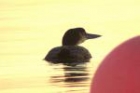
{"x":91,"y":36}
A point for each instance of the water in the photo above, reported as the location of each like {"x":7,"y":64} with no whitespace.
{"x":40,"y":77}
{"x":72,"y":80}
{"x":29,"y":29}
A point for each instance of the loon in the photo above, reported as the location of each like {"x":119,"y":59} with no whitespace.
{"x":70,"y":52}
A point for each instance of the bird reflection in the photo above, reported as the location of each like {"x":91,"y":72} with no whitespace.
{"x":73,"y":76}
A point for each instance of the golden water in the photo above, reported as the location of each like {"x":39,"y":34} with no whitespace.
{"x":30,"y":28}
{"x":40,"y":77}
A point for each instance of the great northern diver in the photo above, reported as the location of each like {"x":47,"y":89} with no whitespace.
{"x":70,"y":52}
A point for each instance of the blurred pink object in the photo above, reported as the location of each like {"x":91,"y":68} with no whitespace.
{"x":120,"y":70}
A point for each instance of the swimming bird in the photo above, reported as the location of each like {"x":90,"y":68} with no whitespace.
{"x":70,"y":52}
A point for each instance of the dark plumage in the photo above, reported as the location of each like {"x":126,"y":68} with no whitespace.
{"x":70,"y":52}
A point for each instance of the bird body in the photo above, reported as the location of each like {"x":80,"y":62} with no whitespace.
{"x":66,"y":54}
{"x":70,"y":52}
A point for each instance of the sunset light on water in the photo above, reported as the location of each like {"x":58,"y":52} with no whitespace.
{"x":30,"y":28}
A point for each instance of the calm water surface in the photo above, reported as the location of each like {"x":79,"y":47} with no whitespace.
{"x":28,"y":27}
{"x":20,"y":74}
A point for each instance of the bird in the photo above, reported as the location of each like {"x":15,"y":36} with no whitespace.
{"x":70,"y":52}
